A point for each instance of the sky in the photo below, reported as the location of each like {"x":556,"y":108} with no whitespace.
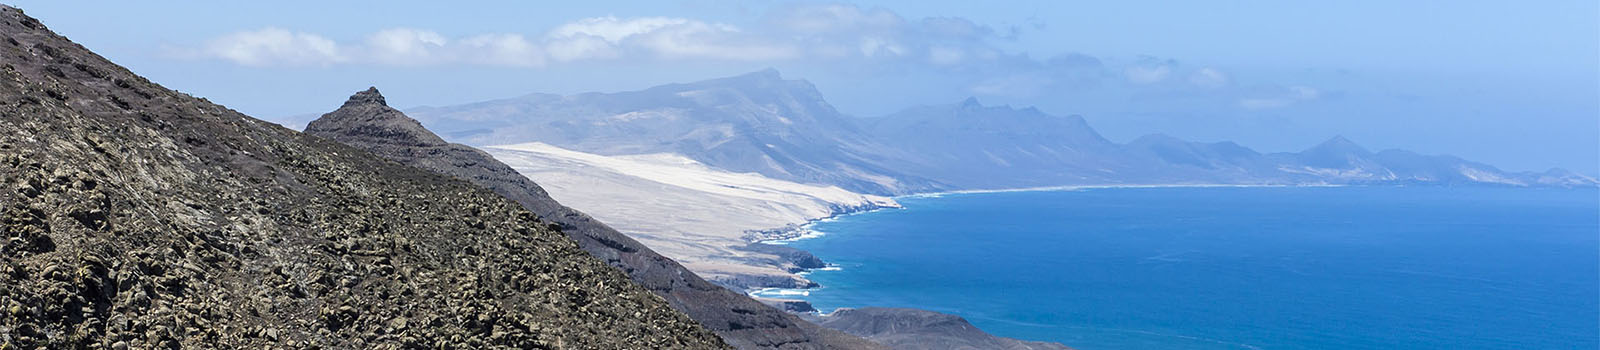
{"x":1511,"y":84}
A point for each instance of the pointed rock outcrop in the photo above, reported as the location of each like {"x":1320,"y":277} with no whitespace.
{"x":367,"y":116}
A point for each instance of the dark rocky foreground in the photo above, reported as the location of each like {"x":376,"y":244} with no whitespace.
{"x":134,"y":216}
{"x":366,"y":121}
{"x":920,"y":329}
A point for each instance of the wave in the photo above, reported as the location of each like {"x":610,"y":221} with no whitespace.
{"x":1090,"y":187}
{"x":779,"y":292}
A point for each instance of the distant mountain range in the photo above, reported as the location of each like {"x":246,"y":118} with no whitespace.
{"x":762,"y":123}
{"x":756,"y":122}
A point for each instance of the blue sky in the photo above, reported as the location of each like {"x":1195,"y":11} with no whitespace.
{"x":1513,"y":84}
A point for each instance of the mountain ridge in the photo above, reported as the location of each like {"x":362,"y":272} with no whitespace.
{"x":761,"y":122}
{"x":754,"y":122}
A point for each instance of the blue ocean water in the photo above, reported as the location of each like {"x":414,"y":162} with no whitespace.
{"x":1236,"y":268}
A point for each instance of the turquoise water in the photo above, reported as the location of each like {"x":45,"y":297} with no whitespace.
{"x":1236,"y":268}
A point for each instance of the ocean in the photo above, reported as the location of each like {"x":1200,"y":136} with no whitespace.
{"x":1234,"y":268}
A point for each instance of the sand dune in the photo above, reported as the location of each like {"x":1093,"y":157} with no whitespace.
{"x":685,"y":210}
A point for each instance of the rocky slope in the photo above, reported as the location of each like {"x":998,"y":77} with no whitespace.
{"x":366,"y":121}
{"x":912,"y":329}
{"x":138,"y":217}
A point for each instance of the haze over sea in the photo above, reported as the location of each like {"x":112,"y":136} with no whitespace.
{"x":1235,"y":268}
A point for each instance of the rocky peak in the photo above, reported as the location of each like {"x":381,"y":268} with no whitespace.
{"x":370,"y":96}
{"x":367,"y":117}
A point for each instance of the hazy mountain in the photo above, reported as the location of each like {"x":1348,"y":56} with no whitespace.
{"x":1218,"y":162}
{"x":367,"y":122}
{"x":967,"y":145}
{"x":972,"y":146}
{"x":139,"y":217}
{"x":1339,"y":160}
{"x":755,"y":122}
{"x":761,"y":123}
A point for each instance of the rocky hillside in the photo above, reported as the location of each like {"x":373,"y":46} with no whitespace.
{"x":367,"y":122}
{"x":138,"y":217}
{"x":912,"y":329}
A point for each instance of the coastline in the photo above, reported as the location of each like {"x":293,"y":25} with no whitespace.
{"x":807,"y":233}
{"x":805,"y":230}
{"x":1090,"y":187}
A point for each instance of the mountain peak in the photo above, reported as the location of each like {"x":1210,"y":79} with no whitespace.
{"x":1340,"y":144}
{"x":762,"y":79}
{"x":971,"y":102}
{"x":370,"y":96}
{"x":367,"y":116}
{"x":769,"y":74}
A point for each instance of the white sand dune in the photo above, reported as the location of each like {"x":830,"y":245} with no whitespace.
{"x":685,"y":210}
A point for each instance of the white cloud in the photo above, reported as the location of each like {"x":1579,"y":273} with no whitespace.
{"x":834,"y":19}
{"x":1147,"y":74}
{"x":581,"y":47}
{"x":805,"y":32}
{"x":873,"y":47}
{"x":850,"y":37}
{"x":275,"y":46}
{"x":406,"y":46}
{"x":612,"y":29}
{"x":1208,"y":78}
{"x":945,"y":56}
{"x":695,"y":39}
{"x":1282,"y":97}
{"x":503,"y":50}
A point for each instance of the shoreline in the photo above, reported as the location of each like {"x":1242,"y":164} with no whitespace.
{"x":1091,"y":187}
{"x":806,"y":232}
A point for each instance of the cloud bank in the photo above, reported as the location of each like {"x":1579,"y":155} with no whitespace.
{"x":834,"y":35}
{"x":818,"y":32}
